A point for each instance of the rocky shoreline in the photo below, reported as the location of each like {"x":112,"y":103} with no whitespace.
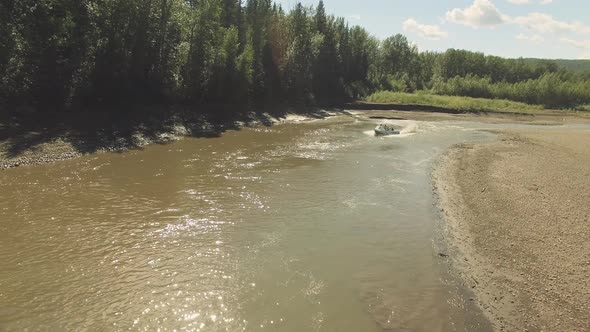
{"x":41,"y":145}
{"x":71,"y":146}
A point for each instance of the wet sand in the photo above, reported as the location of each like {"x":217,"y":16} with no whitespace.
{"x":517,"y":219}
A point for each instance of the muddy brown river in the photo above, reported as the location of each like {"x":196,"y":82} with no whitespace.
{"x":314,"y":226}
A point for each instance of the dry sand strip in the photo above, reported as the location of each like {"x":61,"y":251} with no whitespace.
{"x":517,"y":220}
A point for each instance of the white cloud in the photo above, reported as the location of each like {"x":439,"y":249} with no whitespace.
{"x":482,"y":13}
{"x":582,"y":44}
{"x":547,"y":24}
{"x":535,"y":39}
{"x":355,"y":17}
{"x":426,"y":31}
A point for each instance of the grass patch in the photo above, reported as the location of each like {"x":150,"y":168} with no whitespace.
{"x":583,"y":108}
{"x":466,"y":104}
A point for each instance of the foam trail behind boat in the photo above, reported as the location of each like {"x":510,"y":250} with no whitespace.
{"x":408,"y":128}
{"x":411,"y":128}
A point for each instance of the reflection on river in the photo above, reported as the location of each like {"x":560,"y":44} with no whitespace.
{"x":296,"y":227}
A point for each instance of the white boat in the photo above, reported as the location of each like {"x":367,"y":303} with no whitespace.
{"x":384,"y":129}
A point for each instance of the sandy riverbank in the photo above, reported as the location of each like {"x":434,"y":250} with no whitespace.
{"x":517,"y":219}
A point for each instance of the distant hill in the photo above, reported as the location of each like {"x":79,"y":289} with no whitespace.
{"x":580,"y":66}
{"x":575,"y":65}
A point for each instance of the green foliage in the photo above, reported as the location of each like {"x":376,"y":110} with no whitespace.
{"x":470,"y":86}
{"x":549,"y":90}
{"x":68,"y":55}
{"x":466,"y":104}
{"x":576,"y":66}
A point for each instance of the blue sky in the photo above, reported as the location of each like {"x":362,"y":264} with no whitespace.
{"x":509,"y":28}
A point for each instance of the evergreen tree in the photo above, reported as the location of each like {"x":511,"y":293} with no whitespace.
{"x":74,"y":54}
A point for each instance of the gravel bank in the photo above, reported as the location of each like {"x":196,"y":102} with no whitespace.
{"x":35,"y":148}
{"x":517,"y":218}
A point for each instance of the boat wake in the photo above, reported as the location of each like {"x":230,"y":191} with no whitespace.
{"x":410,"y":129}
{"x":406,"y":129}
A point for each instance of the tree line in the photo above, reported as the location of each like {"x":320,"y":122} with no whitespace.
{"x":77,"y":54}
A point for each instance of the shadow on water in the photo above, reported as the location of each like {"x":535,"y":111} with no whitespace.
{"x":120,"y":129}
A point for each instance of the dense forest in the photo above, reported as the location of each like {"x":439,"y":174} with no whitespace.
{"x":99,"y":54}
{"x":580,"y":65}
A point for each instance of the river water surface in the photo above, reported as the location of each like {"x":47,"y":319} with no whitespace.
{"x":315,"y":226}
